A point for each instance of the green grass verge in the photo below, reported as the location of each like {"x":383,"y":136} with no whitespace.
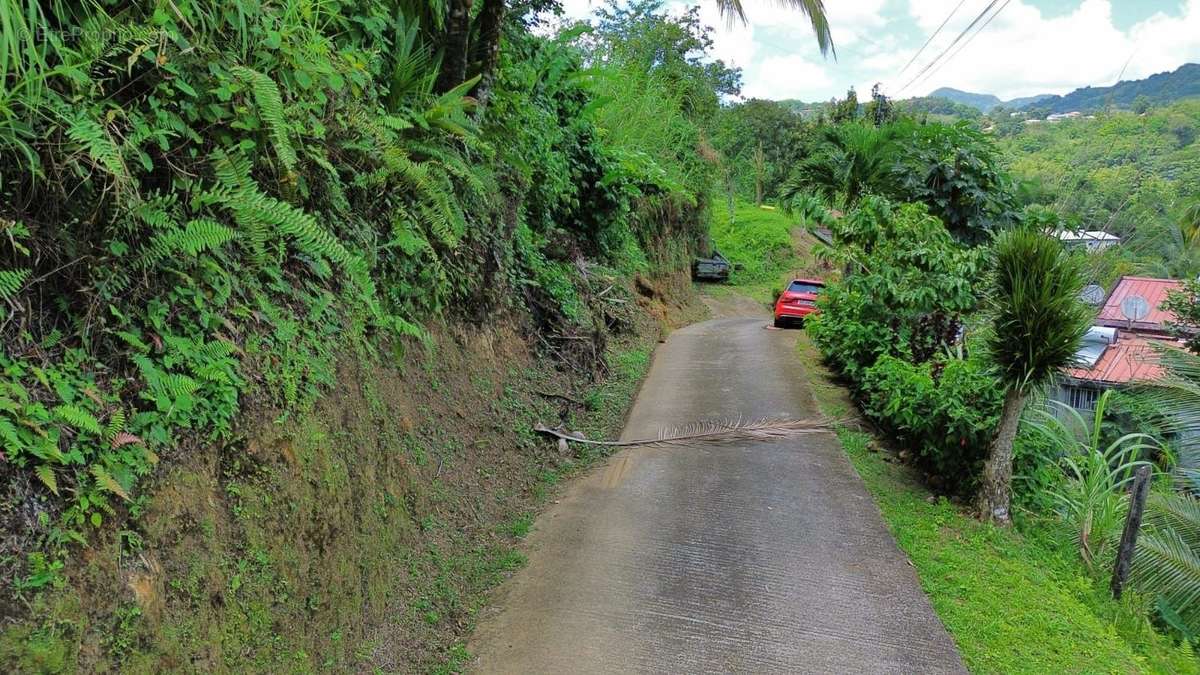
{"x":1014,"y":600}
{"x":770,"y":247}
{"x":757,"y":238}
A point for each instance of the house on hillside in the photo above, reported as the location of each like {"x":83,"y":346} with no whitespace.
{"x":1123,"y":344}
{"x":1092,"y":240}
{"x":1064,"y":116}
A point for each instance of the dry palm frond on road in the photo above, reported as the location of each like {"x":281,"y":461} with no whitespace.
{"x":717,"y":431}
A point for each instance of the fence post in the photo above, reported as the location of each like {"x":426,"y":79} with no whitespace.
{"x":1137,"y":504}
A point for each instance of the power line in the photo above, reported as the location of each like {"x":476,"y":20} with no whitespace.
{"x":973,"y":36}
{"x":950,"y":46}
{"x":1127,"y":61}
{"x":931,"y":37}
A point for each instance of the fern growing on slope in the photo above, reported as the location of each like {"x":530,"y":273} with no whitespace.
{"x":270,"y":110}
{"x":99,"y":145}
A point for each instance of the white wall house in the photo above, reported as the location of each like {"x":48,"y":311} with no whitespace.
{"x":1092,"y":240}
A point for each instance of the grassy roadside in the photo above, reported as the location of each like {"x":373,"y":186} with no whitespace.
{"x":770,"y":247}
{"x":1014,"y":601}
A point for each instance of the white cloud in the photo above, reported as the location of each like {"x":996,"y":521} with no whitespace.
{"x":790,"y":76}
{"x":1022,"y":52}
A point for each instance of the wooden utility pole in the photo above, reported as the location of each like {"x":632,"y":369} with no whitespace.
{"x":1137,"y":505}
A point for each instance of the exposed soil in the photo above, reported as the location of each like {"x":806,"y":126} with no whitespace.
{"x":361,"y":535}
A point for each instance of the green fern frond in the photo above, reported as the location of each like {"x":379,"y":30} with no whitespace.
{"x":176,"y":385}
{"x":199,"y":235}
{"x":116,"y":423}
{"x":98,"y":145}
{"x":11,"y":282}
{"x":78,"y":418}
{"x":270,"y":110}
{"x":8,"y":434}
{"x":46,"y":474}
{"x":233,"y":172}
{"x":214,"y":350}
{"x":105,"y":480}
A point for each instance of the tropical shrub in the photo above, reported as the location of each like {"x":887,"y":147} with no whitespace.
{"x":912,"y":284}
{"x":955,"y":170}
{"x":944,"y":410}
{"x":888,"y":328}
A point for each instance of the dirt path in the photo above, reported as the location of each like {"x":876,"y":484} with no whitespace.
{"x":760,"y":557}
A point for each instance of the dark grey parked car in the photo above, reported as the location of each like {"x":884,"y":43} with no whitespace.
{"x":715,"y":268}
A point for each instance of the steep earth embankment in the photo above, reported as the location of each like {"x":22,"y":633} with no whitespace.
{"x":360,"y":535}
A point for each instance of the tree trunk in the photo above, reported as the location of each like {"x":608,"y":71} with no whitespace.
{"x":491,"y":24}
{"x":760,"y":163}
{"x":454,"y":48}
{"x":996,"y":491}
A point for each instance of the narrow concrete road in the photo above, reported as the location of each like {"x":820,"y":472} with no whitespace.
{"x":751,"y":558}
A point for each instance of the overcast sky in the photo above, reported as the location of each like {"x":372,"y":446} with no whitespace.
{"x":1031,"y":47}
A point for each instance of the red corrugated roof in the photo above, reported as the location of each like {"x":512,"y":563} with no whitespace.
{"x":1153,"y":290}
{"x":1131,"y":358}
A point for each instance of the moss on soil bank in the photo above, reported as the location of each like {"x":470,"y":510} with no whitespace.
{"x":360,"y":536}
{"x":1014,"y":600}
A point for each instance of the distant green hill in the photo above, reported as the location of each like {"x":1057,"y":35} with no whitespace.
{"x":981,"y":102}
{"x":936,"y":105}
{"x":1159,"y":89}
{"x":1023,"y":101}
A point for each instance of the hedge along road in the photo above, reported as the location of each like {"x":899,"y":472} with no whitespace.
{"x":759,"y":556}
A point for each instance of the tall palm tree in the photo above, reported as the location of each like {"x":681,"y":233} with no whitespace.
{"x":813,"y":9}
{"x":857,"y":159}
{"x":1038,"y":323}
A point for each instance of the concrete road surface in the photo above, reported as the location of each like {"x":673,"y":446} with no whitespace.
{"x":751,"y":558}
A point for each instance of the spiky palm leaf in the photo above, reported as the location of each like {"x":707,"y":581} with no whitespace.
{"x":1176,"y":398}
{"x":813,"y":9}
{"x":1167,"y":561}
{"x":856,"y":159}
{"x":717,"y":431}
{"x":1039,"y":319}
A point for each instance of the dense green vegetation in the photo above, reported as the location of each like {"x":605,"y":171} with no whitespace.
{"x":1135,"y":176}
{"x":940,"y":108}
{"x":208,"y":209}
{"x":205,"y":205}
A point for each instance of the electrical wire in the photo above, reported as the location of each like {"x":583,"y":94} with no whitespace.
{"x":964,"y":45}
{"x":931,"y":37}
{"x":958,"y":39}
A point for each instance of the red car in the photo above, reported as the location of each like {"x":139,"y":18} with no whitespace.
{"x":797,"y":302}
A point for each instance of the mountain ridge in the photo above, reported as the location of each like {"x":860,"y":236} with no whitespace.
{"x":983,"y":102}
{"x":1159,"y":88}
